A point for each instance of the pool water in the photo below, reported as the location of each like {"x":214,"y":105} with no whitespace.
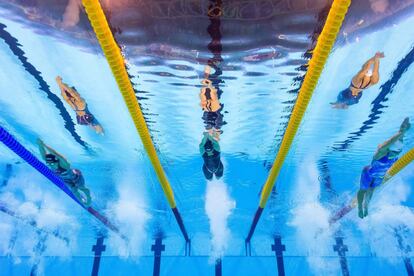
{"x":258,"y":53}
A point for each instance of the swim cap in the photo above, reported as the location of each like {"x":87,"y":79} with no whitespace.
{"x":208,"y":146}
{"x":51,"y":158}
{"x":369,"y":72}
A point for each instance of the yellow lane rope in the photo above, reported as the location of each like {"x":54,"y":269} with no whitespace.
{"x":320,"y":55}
{"x":117,"y":64}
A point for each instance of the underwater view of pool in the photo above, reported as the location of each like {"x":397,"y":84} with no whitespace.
{"x":197,"y":137}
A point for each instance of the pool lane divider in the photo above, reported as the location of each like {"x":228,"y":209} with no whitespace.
{"x":117,"y":64}
{"x":320,"y":55}
{"x":10,"y":142}
{"x":398,"y":166}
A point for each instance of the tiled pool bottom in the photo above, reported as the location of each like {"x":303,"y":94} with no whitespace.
{"x":203,"y":265}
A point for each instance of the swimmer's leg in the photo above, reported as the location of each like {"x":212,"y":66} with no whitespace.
{"x":98,"y":128}
{"x":368,"y":197}
{"x":360,"y":197}
{"x":85,"y":199}
{"x":207,"y":174}
{"x":220,"y":170}
{"x":96,"y":125}
{"x":339,"y":105}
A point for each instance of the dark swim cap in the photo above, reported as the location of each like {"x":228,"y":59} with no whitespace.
{"x":51,"y":158}
{"x":208,"y":146}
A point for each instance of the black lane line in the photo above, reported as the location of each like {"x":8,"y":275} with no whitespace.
{"x":97,"y":249}
{"x":15,"y":47}
{"x":341,"y":248}
{"x":157,"y":248}
{"x":379,"y":103}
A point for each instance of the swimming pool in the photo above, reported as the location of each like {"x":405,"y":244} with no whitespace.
{"x":258,"y":53}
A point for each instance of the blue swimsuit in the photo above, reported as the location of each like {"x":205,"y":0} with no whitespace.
{"x":347,"y":98}
{"x":373,"y":174}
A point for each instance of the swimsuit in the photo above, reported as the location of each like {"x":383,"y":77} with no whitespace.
{"x":212,"y":165}
{"x":72,"y":177}
{"x":373,"y":175}
{"x":346,"y":96}
{"x":86,"y":119}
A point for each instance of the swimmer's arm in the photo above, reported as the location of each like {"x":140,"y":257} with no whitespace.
{"x":75,"y":93}
{"x":67,"y":98}
{"x":203,"y":142}
{"x":363,"y":70}
{"x":202,"y":96}
{"x":383,"y":148}
{"x":42,"y":149}
{"x":207,"y":71}
{"x":65,"y":88}
{"x":62,"y":160}
{"x":216,"y":145}
{"x":375,"y":72}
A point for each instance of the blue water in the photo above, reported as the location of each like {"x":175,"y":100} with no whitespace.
{"x":257,"y":80}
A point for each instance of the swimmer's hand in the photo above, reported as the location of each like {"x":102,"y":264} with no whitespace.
{"x":40,"y":142}
{"x":379,"y":55}
{"x":59,"y":79}
{"x":405,"y":125}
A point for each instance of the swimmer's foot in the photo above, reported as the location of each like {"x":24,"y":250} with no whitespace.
{"x":360,"y":213}
{"x":98,"y":129}
{"x":339,"y":106}
{"x":366,"y":212}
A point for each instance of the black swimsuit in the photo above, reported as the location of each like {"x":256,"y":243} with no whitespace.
{"x":346,"y":96}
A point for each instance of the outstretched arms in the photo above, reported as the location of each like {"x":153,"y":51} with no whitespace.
{"x":68,"y":93}
{"x":44,"y":149}
{"x":384,"y":147}
{"x":372,"y":62}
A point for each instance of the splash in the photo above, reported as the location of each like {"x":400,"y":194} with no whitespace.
{"x":131,"y":218}
{"x":38,"y":216}
{"x":387,"y":214}
{"x":311,"y":221}
{"x":218,"y":207}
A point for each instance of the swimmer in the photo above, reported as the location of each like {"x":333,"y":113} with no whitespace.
{"x":73,"y":178}
{"x":373,"y":175}
{"x":366,"y":77}
{"x":210,"y":151}
{"x":83,"y":116}
{"x":208,"y":93}
{"x":211,"y":106}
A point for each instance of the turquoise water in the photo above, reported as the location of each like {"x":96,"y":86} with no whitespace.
{"x":258,"y":84}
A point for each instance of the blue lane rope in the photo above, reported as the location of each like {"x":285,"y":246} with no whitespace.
{"x":27,"y":156}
